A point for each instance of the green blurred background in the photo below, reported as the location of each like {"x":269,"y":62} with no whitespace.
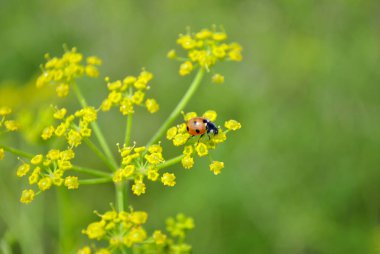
{"x":301,"y":176}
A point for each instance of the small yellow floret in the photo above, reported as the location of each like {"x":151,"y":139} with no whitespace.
{"x":189,"y":115}
{"x":154,"y":158}
{"x":47,"y":132}
{"x":168,"y":179}
{"x":187,"y":162}
{"x":23,"y":169}
{"x":60,"y":114}
{"x":185,"y":68}
{"x":188,"y":150}
{"x":152,"y":105}
{"x":36,"y":159}
{"x":210,"y":115}
{"x":171,"y":133}
{"x":1,"y":153}
{"x":180,"y":139}
{"x":44,"y":183}
{"x":138,"y":97}
{"x":84,"y":250}
{"x":232,"y":125}
{"x":217,"y":78}
{"x":74,"y":138}
{"x":158,"y":237}
{"x":71,"y":182}
{"x":53,"y":154}
{"x":27,"y":196}
{"x":216,"y":167}
{"x":171,"y":54}
{"x":95,"y":230}
{"x":138,"y":188}
{"x":5,"y":111}
{"x":153,"y":174}
{"x":11,"y":125}
{"x":201,"y":149}
{"x":138,"y":217}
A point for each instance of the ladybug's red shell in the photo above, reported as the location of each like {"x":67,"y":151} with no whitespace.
{"x":196,"y":126}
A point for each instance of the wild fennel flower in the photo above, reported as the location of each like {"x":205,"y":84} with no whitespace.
{"x":204,"y":49}
{"x":9,"y":125}
{"x":63,"y":71}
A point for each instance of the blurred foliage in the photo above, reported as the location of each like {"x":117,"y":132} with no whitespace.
{"x":302,"y":176}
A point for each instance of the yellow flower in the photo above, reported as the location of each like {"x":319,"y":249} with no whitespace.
{"x":129,"y":80}
{"x":217,"y":78}
{"x":201,"y":149}
{"x":47,"y":132}
{"x":117,"y":176}
{"x":23,"y":169}
{"x":94,"y":60}
{"x":171,"y":54}
{"x":220,"y":137}
{"x":210,"y":115}
{"x":126,"y":107}
{"x":36,"y":159}
{"x":1,"y":153}
{"x":153,"y":174}
{"x":74,"y":138}
{"x":138,"y":188}
{"x":168,"y":179}
{"x":89,"y":114}
{"x":106,"y":105}
{"x":62,"y":90}
{"x":44,"y":183}
{"x":152,"y":105}
{"x":27,"y":196}
{"x":216,"y":167}
{"x":171,"y":133}
{"x":60,"y":114}
{"x":128,"y":171}
{"x":95,"y":230}
{"x":180,"y":139}
{"x":146,"y":76}
{"x":139,"y":149}
{"x":53,"y":154}
{"x":84,"y":250}
{"x":135,"y":235}
{"x":5,"y":111}
{"x":71,"y":182}
{"x":138,"y":97}
{"x":220,"y":36}
{"x":187,"y":162}
{"x":11,"y":125}
{"x":34,"y":177}
{"x":138,"y":217}
{"x":91,"y":71}
{"x":155,"y":148}
{"x":190,"y":115}
{"x":158,"y":237}
{"x":154,"y":158}
{"x":102,"y":251}
{"x":232,"y":125}
{"x":185,"y":68}
{"x":188,"y":150}
{"x":60,"y":130}
{"x":203,"y":34}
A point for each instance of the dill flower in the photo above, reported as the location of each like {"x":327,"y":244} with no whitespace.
{"x":1,"y":153}
{"x":11,"y":125}
{"x":216,"y":167}
{"x":84,"y":250}
{"x":138,"y":188}
{"x":232,"y":125}
{"x":71,"y":182}
{"x":129,"y":93}
{"x":168,"y":179}
{"x":23,"y":169}
{"x":27,"y":196}
{"x":204,"y":49}
{"x":4,"y":110}
{"x":158,"y":237}
{"x":187,"y":162}
{"x":63,"y":71}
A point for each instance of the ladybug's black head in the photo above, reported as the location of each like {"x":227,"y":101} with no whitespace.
{"x":211,"y":127}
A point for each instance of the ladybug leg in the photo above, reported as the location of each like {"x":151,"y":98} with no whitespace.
{"x":200,"y":138}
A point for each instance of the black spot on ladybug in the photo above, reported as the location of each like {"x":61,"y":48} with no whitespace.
{"x":195,"y":122}
{"x":187,"y":128}
{"x":197,"y":131}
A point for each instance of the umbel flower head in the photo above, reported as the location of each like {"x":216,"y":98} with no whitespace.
{"x":74,"y":128}
{"x":139,"y":163}
{"x":45,"y":171}
{"x":6,"y":124}
{"x":204,"y":49}
{"x":128,"y":93}
{"x":123,"y":230}
{"x":63,"y":71}
{"x":200,"y":145}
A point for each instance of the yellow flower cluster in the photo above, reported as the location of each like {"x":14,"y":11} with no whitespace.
{"x":204,"y":49}
{"x":123,"y":230}
{"x":8,"y":125}
{"x":129,"y":92}
{"x":62,"y":72}
{"x":140,"y":162}
{"x":201,"y":145}
{"x":68,"y":128}
{"x":46,"y":171}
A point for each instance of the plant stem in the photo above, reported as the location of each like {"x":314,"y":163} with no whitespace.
{"x":98,"y":133}
{"x":128,"y":130}
{"x":99,"y":153}
{"x":119,"y":196}
{"x":95,"y":181}
{"x":170,"y":162}
{"x":17,"y":152}
{"x":181,"y":105}
{"x":90,"y":171}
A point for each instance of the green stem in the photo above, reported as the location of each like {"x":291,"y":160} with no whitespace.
{"x":99,"y":153}
{"x":181,"y":105}
{"x":95,"y":181}
{"x":90,"y":171}
{"x":98,"y":133}
{"x":17,"y":152}
{"x":128,"y":130}
{"x":170,"y":162}
{"x":119,"y":196}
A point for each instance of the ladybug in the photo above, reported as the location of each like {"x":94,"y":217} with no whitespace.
{"x":200,"y":126}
